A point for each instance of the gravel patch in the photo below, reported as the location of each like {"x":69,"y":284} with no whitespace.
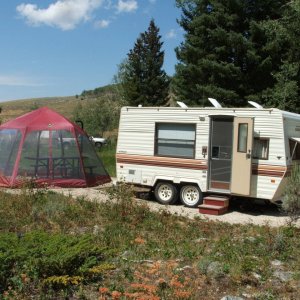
{"x":265,"y":216}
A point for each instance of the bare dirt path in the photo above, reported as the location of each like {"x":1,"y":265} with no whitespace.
{"x":264,"y":215}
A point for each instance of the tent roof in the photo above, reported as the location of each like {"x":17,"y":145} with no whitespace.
{"x":41,"y":119}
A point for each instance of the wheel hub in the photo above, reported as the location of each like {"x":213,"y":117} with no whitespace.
{"x":165,"y":193}
{"x":190,"y":195}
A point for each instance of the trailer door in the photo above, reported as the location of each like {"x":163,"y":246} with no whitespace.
{"x":241,"y":156}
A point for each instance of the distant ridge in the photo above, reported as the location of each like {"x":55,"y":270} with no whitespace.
{"x":64,"y":105}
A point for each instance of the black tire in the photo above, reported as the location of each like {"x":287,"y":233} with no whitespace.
{"x":98,"y":145}
{"x":191,"y":195}
{"x":166,"y":193}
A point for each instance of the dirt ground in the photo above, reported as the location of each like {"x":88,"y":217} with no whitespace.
{"x":258,"y":214}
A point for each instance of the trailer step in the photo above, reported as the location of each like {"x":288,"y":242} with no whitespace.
{"x":222,"y":201}
{"x":212,"y":209}
{"x":214,"y":205}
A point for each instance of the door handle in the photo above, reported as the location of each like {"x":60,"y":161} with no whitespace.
{"x":248,"y":155}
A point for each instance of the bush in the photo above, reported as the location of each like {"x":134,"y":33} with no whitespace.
{"x":41,"y":257}
{"x":47,"y":210}
{"x":291,"y":203}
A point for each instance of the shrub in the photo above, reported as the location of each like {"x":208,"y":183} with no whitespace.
{"x":58,"y":259}
{"x":291,"y":203}
{"x":47,"y":210}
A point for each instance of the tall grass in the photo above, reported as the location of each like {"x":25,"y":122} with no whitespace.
{"x":108,"y":155}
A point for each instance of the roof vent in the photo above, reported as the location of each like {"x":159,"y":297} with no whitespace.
{"x":215,"y":103}
{"x":181,"y":104}
{"x":256,"y":105}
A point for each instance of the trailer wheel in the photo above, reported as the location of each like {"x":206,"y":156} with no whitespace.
{"x":98,"y":145}
{"x":166,"y":193}
{"x":191,"y":195}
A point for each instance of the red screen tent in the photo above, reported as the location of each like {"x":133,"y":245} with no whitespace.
{"x":46,"y":147}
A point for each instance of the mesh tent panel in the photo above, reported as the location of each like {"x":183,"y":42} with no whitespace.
{"x":9,"y":144}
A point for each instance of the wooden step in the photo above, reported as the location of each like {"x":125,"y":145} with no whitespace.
{"x":212,"y":209}
{"x":216,"y":200}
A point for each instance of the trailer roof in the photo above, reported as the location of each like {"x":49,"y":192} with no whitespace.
{"x":286,"y":114}
{"x":201,"y":108}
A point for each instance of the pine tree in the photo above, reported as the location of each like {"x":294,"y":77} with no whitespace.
{"x":224,"y":54}
{"x":285,"y":33}
{"x":141,"y":75}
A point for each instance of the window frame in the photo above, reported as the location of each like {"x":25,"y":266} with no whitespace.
{"x":294,"y":150}
{"x":268,"y":147}
{"x":239,"y":137}
{"x":175,"y":124}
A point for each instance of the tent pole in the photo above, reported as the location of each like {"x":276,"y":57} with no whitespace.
{"x":37,"y":153}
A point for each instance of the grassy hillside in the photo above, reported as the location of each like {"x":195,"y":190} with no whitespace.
{"x":63,"y":105}
{"x":13,"y":109}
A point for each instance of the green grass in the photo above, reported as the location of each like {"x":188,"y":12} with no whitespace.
{"x":63,"y":105}
{"x":108,"y":155}
{"x":53,"y":246}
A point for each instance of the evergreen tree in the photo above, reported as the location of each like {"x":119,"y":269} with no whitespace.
{"x":224,"y":54}
{"x":141,"y":76}
{"x":286,"y":32}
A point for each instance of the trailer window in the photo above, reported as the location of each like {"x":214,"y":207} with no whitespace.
{"x":242,"y":137}
{"x":175,"y":140}
{"x":261,"y":148}
{"x":294,"y":150}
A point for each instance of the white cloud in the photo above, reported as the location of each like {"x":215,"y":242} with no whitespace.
{"x":127,"y":6}
{"x":102,"y":24}
{"x":16,"y":80}
{"x":64,"y":14}
{"x":171,"y":34}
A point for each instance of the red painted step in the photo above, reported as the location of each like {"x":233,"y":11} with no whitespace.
{"x":212,"y":209}
{"x":216,"y":200}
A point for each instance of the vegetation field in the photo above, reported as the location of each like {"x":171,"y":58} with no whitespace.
{"x":63,"y":105}
{"x":56,"y":247}
{"x":107,"y":154}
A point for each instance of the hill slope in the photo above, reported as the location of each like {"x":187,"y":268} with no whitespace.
{"x":63,"y":105}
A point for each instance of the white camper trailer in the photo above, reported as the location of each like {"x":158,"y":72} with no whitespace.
{"x":185,"y":152}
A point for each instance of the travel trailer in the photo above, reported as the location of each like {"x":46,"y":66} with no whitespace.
{"x":182,"y":152}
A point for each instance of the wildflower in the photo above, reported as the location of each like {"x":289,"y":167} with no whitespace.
{"x":144,"y":287}
{"x":139,"y":241}
{"x":116,"y":295}
{"x":103,"y":290}
{"x":136,"y":295}
{"x":175,"y":282}
{"x":182,"y":294}
{"x":154,"y":268}
{"x":161,"y":281}
{"x":24,"y":278}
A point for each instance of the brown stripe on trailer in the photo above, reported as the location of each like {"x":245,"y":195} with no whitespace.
{"x":270,"y":170}
{"x":169,"y":162}
{"x":195,"y":164}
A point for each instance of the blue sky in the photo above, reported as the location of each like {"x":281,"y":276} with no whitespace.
{"x":62,"y":47}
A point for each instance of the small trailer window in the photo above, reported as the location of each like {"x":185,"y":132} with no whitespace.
{"x":294,"y":150}
{"x":261,"y":148}
{"x":175,"y":140}
{"x":242,"y":137}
